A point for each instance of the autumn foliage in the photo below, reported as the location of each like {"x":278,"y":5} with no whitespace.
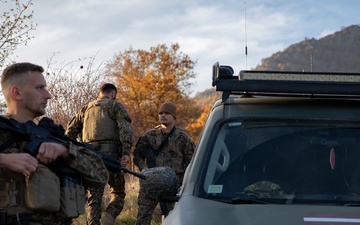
{"x":146,"y":79}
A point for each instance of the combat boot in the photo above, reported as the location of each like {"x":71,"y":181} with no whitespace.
{"x":108,"y":219}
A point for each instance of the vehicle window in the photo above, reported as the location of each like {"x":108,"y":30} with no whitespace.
{"x":293,"y":159}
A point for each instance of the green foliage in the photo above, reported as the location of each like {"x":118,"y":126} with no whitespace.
{"x":16,"y":23}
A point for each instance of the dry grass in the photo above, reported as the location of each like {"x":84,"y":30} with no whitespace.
{"x":129,"y":212}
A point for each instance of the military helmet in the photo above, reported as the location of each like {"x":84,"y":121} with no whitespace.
{"x":160,"y":181}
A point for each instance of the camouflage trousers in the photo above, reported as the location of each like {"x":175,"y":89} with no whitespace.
{"x":146,"y":209}
{"x":95,"y":195}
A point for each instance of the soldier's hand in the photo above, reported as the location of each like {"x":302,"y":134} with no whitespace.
{"x":49,"y":152}
{"x":19,"y":162}
{"x":125,"y":160}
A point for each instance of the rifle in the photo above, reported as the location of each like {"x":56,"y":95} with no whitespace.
{"x":48,"y":131}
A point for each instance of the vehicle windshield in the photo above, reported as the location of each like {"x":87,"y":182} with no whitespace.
{"x":277,"y":161}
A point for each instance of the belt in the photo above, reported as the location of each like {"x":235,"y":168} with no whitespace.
{"x":106,"y":147}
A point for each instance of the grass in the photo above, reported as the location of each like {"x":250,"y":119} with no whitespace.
{"x":129,"y":212}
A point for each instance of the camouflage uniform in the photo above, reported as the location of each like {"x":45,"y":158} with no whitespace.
{"x":176,"y":154}
{"x":266,"y":189}
{"x":104,"y":123}
{"x":89,"y":166}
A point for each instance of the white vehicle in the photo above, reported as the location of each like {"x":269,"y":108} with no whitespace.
{"x":278,"y":148}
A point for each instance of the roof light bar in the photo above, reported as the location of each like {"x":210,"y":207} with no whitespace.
{"x":298,"y":76}
{"x":285,"y":82}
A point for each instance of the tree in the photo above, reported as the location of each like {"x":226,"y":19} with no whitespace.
{"x":72,"y":86}
{"x":16,"y":23}
{"x":196,"y":125}
{"x":204,"y":101}
{"x":146,"y":79}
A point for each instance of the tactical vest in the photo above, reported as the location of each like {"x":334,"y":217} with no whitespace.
{"x":42,"y":192}
{"x":170,"y":156}
{"x":98,"y":126}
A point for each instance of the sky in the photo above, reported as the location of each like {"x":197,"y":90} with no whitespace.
{"x":208,"y":31}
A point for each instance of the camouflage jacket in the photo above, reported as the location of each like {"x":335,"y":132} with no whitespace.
{"x":116,"y":112}
{"x":89,"y":166}
{"x":176,"y":154}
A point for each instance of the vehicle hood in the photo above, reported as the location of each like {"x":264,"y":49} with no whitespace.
{"x":191,"y":210}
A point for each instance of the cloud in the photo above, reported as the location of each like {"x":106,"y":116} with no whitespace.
{"x":207,"y":30}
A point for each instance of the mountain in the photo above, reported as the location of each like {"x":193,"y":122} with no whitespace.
{"x":338,"y":52}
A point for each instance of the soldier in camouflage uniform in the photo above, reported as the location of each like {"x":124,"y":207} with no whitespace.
{"x":24,"y":88}
{"x":106,"y":125}
{"x":176,"y":154}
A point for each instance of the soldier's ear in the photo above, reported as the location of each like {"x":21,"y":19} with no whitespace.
{"x":15,"y":92}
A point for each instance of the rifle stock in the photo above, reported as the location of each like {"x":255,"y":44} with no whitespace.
{"x":47,"y":131}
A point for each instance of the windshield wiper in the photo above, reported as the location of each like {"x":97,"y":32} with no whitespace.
{"x":246,"y":201}
{"x":238,"y":200}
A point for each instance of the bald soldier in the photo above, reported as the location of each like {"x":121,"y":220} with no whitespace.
{"x":106,"y":125}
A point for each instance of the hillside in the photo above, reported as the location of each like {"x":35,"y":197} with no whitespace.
{"x":338,"y":52}
{"x":206,"y":97}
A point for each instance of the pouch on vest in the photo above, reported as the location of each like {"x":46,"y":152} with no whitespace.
{"x":72,"y":198}
{"x":4,"y":194}
{"x":9,"y":193}
{"x":43,"y":190}
{"x":81,"y":199}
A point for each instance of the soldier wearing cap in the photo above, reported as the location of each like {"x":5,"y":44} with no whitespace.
{"x":164,"y":146}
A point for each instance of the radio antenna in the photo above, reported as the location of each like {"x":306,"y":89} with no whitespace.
{"x":246,"y":50}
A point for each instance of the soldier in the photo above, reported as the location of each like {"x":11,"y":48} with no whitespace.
{"x":106,"y":125}
{"x":30,"y":191}
{"x":164,"y":146}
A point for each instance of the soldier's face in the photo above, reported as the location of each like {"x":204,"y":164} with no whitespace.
{"x":166,"y":118}
{"x":34,"y":95}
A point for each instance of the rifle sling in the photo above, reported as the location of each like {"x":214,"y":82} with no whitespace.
{"x":163,"y":205}
{"x":165,"y":141}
